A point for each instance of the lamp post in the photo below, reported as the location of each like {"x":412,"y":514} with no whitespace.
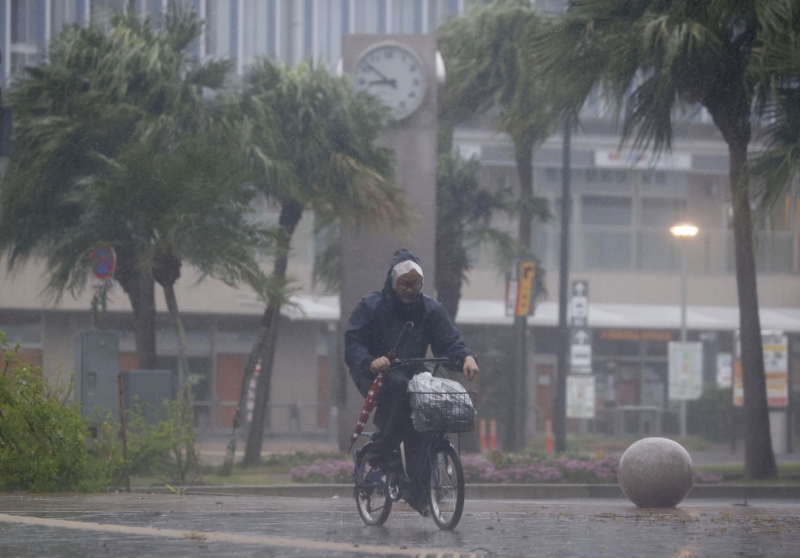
{"x":684,"y":232}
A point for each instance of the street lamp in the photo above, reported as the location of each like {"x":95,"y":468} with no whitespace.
{"x":684,"y":232}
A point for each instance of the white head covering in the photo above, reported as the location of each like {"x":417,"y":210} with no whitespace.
{"x":402,"y":268}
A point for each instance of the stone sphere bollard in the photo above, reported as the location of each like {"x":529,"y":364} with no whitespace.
{"x":655,"y":473}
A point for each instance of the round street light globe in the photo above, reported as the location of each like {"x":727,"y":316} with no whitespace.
{"x":684,"y":230}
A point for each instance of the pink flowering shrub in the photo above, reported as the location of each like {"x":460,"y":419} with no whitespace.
{"x":324,"y":471}
{"x":503,"y":469}
{"x":532,"y":469}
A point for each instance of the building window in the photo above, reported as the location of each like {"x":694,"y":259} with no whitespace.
{"x":367,"y":16}
{"x":103,"y":10}
{"x":440,"y":12}
{"x":290,"y":31}
{"x":606,"y":232}
{"x":218,"y":28}
{"x":661,"y":213}
{"x":257,"y":31}
{"x":657,"y":250}
{"x":606,"y":210}
{"x":403,"y":15}
{"x":63,"y":13}
{"x":329,"y":19}
{"x":26,"y":32}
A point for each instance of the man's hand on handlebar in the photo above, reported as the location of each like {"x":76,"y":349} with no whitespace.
{"x":380,"y":364}
{"x":470,"y":368}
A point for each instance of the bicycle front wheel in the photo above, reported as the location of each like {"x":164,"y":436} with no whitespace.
{"x":372,"y":498}
{"x":447,"y":488}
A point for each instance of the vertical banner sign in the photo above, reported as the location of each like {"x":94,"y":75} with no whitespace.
{"x":580,"y":303}
{"x":724,"y":370}
{"x":776,"y":369}
{"x":580,"y":396}
{"x":580,"y":361}
{"x":520,"y":289}
{"x":685,"y":371}
{"x":738,"y":385}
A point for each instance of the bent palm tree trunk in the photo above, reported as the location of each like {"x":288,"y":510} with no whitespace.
{"x":166,"y":272}
{"x":264,"y":349}
{"x":249,"y":370}
{"x":255,"y":435}
{"x":759,"y":458}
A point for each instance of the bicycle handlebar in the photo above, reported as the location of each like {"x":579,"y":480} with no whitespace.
{"x":446,"y":362}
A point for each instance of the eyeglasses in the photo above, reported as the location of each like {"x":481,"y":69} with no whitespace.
{"x":403,"y":286}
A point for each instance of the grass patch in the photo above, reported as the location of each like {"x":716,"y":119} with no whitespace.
{"x":272,"y":470}
{"x":788,"y":473}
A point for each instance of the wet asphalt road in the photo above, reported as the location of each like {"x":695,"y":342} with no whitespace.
{"x":136,"y":525}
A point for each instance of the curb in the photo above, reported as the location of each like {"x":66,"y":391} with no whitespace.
{"x":493,"y":491}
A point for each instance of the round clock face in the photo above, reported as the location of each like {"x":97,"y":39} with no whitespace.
{"x":394,"y":75}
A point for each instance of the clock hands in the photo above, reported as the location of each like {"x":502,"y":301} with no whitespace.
{"x":384,"y":80}
{"x":392,"y":82}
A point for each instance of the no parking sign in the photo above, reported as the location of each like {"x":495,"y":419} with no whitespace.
{"x":103,"y":260}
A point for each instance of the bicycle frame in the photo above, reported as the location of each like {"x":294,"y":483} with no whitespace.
{"x":376,"y":487}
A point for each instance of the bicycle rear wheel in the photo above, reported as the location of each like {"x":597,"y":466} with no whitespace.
{"x":372,"y":500}
{"x":447,"y":488}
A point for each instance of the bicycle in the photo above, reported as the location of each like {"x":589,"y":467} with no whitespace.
{"x":378,"y":487}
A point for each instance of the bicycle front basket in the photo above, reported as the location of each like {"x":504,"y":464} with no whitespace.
{"x":444,"y":412}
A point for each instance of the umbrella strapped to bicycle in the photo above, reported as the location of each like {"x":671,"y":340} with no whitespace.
{"x":439,"y":407}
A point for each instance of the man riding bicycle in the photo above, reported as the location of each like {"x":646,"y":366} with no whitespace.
{"x":372,"y":331}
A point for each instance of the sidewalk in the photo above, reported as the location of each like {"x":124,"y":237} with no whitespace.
{"x":170,"y":526}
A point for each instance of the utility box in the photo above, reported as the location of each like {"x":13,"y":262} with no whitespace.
{"x":96,"y":369}
{"x":146,"y":391}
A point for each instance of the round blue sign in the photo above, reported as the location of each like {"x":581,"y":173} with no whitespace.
{"x":103,"y":261}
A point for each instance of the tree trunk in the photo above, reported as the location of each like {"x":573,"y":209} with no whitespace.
{"x":731,"y":112}
{"x":451,"y":263}
{"x":139,"y":285}
{"x":255,"y":435}
{"x":291,"y":212}
{"x":515,"y":438}
{"x":183,"y":360}
{"x":759,"y":459}
{"x":249,"y":370}
{"x":449,"y":294}
{"x":166,"y":273}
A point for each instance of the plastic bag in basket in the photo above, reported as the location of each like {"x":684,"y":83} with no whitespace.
{"x":439,"y":404}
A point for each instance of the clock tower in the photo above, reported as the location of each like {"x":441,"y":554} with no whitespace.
{"x":401,"y":70}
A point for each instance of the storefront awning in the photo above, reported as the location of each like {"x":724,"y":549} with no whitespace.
{"x":601,"y":315}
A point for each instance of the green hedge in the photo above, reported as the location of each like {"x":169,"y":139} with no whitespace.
{"x":42,"y":440}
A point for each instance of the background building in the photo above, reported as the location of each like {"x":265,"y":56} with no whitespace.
{"x":623,"y":206}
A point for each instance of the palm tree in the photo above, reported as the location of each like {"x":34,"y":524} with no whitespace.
{"x":776,"y":67}
{"x":196,"y":204}
{"x":463,"y":218}
{"x":488,"y":71}
{"x":312,"y":147}
{"x":655,"y":57}
{"x":105,"y":133}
